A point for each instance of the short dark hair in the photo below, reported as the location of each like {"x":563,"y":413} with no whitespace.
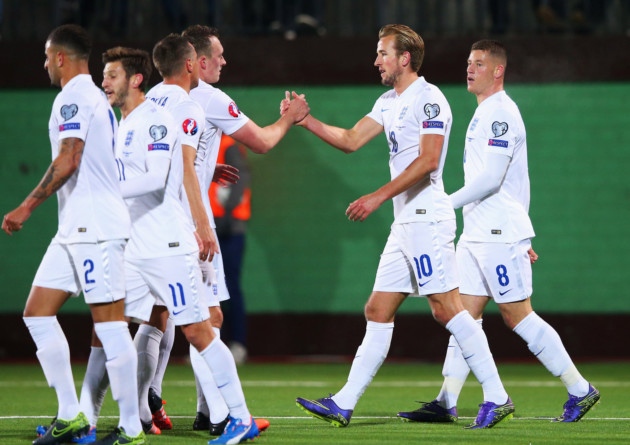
{"x":133,"y":60}
{"x":406,"y":40}
{"x":493,"y":47}
{"x":73,"y":38}
{"x":170,"y":53}
{"x":199,"y":37}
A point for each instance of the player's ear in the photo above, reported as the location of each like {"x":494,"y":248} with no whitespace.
{"x":499,"y":71}
{"x":136,"y":80}
{"x":406,"y":58}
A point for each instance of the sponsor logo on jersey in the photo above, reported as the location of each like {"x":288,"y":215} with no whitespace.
{"x":190,"y":127}
{"x":431,"y":110}
{"x":233,"y":110}
{"x":499,"y":128}
{"x":70,"y":126}
{"x":498,"y":143}
{"x":164,"y":147}
{"x":69,"y":111}
{"x":432,"y":124}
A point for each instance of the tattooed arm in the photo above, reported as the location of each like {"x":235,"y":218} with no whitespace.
{"x":60,"y":170}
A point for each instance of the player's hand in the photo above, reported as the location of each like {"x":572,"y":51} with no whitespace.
{"x":225,"y":174}
{"x":284,"y":103}
{"x":15,"y":219}
{"x":208,"y":244}
{"x":360,"y":209}
{"x":297,"y":108}
{"x":533,"y":256}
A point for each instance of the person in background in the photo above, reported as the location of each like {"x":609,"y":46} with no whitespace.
{"x":231,"y":207}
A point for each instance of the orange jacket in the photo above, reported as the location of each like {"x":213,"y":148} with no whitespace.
{"x":243,"y":210}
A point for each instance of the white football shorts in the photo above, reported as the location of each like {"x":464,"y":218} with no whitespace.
{"x":173,"y":281}
{"x":498,"y":270}
{"x":97,"y":269}
{"x":418,"y":259}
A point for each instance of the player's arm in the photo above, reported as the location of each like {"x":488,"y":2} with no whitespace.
{"x":60,"y":170}
{"x":152,"y":180}
{"x":485,"y":184}
{"x":262,"y":139}
{"x":418,"y":171}
{"x":346,"y":140}
{"x":208,"y":243}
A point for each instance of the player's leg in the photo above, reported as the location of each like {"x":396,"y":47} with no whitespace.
{"x":140,"y":305}
{"x":455,"y":369}
{"x":156,"y":403}
{"x":53,"y":351}
{"x":338,"y":409}
{"x":476,"y":351}
{"x":545,"y":343}
{"x":208,"y":394}
{"x":177,"y":282}
{"x":391,"y":286}
{"x":541,"y":338}
{"x":216,"y":409}
{"x":95,"y":384}
{"x":147,"y":341}
{"x":104,"y":289}
{"x":54,"y":283}
{"x":430,"y":249}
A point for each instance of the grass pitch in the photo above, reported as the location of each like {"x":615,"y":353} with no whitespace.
{"x":271,"y":389}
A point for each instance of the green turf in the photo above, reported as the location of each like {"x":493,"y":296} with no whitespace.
{"x":271,"y":389}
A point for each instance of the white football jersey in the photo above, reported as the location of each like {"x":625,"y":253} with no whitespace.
{"x":91,"y":207}
{"x":160,"y":226}
{"x":222,"y":116}
{"x":420,"y":109}
{"x":189,"y":117}
{"x":497,"y":127}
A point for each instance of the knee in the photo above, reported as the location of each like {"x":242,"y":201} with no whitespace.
{"x":441,"y":315}
{"x":198,"y":334}
{"x":216,"y":316}
{"x":371,"y":312}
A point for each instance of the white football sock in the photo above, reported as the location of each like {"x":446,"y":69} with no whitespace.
{"x":95,"y":384}
{"x":546,"y":345}
{"x":53,"y":353}
{"x":122,"y":368}
{"x":367,"y":361}
{"x":475,"y":350}
{"x":202,"y":405}
{"x":221,"y":363}
{"x":166,"y":345}
{"x":147,"y":342}
{"x":455,"y":372}
{"x":217,"y":408}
